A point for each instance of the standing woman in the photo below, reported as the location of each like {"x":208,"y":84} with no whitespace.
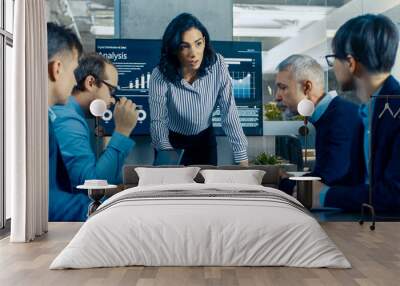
{"x":185,"y":88}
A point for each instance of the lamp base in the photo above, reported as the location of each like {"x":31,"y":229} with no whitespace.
{"x":95,"y":195}
{"x":373,"y":217}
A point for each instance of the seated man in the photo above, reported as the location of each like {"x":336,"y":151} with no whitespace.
{"x":64,"y":50}
{"x":364,"y":52}
{"x":338,"y":128}
{"x":96,"y":78}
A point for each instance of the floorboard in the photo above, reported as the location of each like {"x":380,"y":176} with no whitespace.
{"x":374,"y":255}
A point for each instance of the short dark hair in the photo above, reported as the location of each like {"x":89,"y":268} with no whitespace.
{"x":91,"y":64}
{"x":169,"y":63}
{"x":370,"y":39}
{"x":60,"y":39}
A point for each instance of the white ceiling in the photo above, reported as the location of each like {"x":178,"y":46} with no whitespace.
{"x":274,"y":20}
{"x":315,"y":39}
{"x":269,"y":21}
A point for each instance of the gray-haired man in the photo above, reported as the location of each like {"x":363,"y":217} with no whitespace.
{"x":339,"y":160}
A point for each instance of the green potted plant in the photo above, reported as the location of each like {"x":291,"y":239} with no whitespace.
{"x":267,"y":159}
{"x":272,"y":112}
{"x":276,"y":123}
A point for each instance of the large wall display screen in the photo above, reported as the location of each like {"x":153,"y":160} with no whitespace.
{"x":135,"y":60}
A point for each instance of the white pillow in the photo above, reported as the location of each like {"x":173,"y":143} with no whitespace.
{"x":248,"y":177}
{"x":166,"y":176}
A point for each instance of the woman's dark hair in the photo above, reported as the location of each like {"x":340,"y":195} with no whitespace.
{"x":370,"y":39}
{"x":169,"y":63}
{"x":90,"y":64}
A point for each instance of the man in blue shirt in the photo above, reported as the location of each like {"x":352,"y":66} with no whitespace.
{"x":364,"y":53}
{"x":338,"y":128}
{"x":96,"y":78}
{"x":64,"y":49}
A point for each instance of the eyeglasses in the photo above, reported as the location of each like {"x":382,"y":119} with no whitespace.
{"x":330,"y":59}
{"x":113,"y":88}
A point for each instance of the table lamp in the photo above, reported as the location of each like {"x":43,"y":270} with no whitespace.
{"x":305,"y":108}
{"x":98,"y":108}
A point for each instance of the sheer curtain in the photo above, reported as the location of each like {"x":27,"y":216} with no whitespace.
{"x":26,"y":124}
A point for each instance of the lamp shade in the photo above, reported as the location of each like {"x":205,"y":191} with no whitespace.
{"x":305,"y":107}
{"x":98,"y":107}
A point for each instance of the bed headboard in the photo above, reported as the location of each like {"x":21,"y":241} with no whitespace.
{"x":270,"y":179}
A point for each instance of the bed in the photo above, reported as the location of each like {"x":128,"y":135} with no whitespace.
{"x":197,"y":224}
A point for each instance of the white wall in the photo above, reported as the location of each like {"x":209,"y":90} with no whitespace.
{"x":144,"y":19}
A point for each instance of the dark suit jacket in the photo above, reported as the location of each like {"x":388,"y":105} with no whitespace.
{"x":338,"y":146}
{"x":385,"y":160}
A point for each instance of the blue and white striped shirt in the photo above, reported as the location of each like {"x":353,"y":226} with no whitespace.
{"x":187,"y":108}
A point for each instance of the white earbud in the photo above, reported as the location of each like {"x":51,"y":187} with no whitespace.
{"x":141,"y":115}
{"x":107,"y":116}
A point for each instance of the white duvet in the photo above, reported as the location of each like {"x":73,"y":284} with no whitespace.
{"x":207,"y":230}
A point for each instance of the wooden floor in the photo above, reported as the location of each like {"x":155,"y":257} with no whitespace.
{"x":375,"y":257}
